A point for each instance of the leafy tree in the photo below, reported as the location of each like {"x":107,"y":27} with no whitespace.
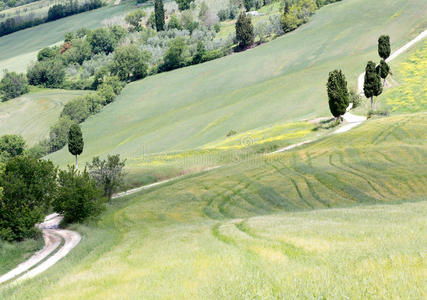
{"x":101,"y":41}
{"x":159,"y":13}
{"x":130,"y":63}
{"x":337,"y":93}
{"x":383,"y":70}
{"x":69,"y":36}
{"x":13,"y":85}
{"x":297,"y":13}
{"x":187,"y":21}
{"x":174,"y":23}
{"x":184,"y":4}
{"x":47,"y":73}
{"x":28,"y":189}
{"x":384,"y":49}
{"x":372,"y":85}
{"x":134,"y":18}
{"x":118,"y":33}
{"x":106,"y":92}
{"x":200,"y":53}
{"x":244,"y":31}
{"x":107,"y":173}
{"x":75,"y":141}
{"x":151,"y":22}
{"x":11,"y":145}
{"x":82,"y":32}
{"x":78,"y":197}
{"x":77,"y":109}
{"x":79,"y":52}
{"x":58,"y":134}
{"x":176,"y":55}
{"x":47,"y":53}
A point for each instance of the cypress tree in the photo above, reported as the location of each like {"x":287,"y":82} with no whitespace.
{"x":384,"y":49}
{"x":383,"y":69}
{"x":75,"y":141}
{"x":337,"y":93}
{"x":159,"y":13}
{"x":372,"y":86}
{"x":244,"y":31}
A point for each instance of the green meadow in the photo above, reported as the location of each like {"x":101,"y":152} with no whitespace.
{"x":276,"y":83}
{"x":342,"y":217}
{"x":32,"y":115}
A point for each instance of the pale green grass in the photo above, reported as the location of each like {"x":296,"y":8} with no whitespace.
{"x":32,"y":115}
{"x":12,"y":254}
{"x":248,"y":230}
{"x":279,"y":82}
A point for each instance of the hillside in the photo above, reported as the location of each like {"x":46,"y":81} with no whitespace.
{"x":33,"y":114}
{"x":208,"y":236}
{"x":282,"y":81}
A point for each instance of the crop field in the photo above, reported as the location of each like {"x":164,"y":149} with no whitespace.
{"x":33,"y":114}
{"x":249,"y":229}
{"x":18,"y":49}
{"x":197,"y":106}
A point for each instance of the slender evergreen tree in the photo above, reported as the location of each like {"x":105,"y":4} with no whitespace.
{"x":372,"y":85}
{"x":383,"y":69}
{"x":337,"y":93}
{"x":244,"y":31}
{"x":75,"y":141}
{"x":384,"y":49}
{"x":159,"y":13}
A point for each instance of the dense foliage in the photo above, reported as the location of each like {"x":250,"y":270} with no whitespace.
{"x":384,"y":49}
{"x":372,"y":85}
{"x":337,"y":93}
{"x":28,"y":189}
{"x":11,"y":145}
{"x":244,"y":31}
{"x":184,"y":4}
{"x":47,"y":73}
{"x":159,"y":14}
{"x":75,"y":141}
{"x":78,"y":197}
{"x":13,"y":85}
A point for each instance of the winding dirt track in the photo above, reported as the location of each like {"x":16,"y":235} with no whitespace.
{"x":54,"y":236}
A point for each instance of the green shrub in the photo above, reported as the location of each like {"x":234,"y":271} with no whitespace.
{"x":28,"y":189}
{"x":11,"y":145}
{"x":13,"y":85}
{"x":176,"y":56}
{"x":58,"y":134}
{"x":77,"y":109}
{"x":47,"y":73}
{"x":101,"y":41}
{"x":130,"y":63}
{"x":78,"y":196}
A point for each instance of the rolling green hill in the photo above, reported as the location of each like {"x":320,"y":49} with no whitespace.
{"x":33,"y":114}
{"x":250,"y":229}
{"x":279,"y":82}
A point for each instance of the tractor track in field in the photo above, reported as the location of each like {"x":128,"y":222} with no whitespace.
{"x":47,"y":257}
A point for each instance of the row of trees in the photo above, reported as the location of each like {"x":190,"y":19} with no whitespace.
{"x":31,"y":187}
{"x":338,"y":94}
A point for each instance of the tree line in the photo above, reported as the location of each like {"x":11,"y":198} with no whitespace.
{"x":55,"y":12}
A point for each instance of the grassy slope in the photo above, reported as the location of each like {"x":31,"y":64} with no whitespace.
{"x":17,"y":50}
{"x":32,"y":115}
{"x":278,"y":82}
{"x":11,"y":254}
{"x":198,"y":237}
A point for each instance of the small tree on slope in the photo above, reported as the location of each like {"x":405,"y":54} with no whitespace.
{"x":372,"y":85}
{"x":383,"y":69}
{"x":75,"y":141}
{"x":159,"y":13}
{"x":337,"y":93}
{"x":384,"y":49}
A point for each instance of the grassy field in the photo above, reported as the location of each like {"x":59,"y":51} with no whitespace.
{"x":249,"y":230}
{"x":12,"y":254}
{"x":33,"y":114}
{"x":276,"y":83}
{"x":18,"y":49}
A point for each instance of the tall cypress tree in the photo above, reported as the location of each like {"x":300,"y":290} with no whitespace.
{"x":159,"y":13}
{"x":384,"y":49}
{"x":337,"y":93}
{"x":244,"y":31}
{"x":383,"y":69}
{"x":75,"y":141}
{"x":372,"y":85}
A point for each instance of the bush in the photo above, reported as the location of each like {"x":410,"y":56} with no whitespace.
{"x":184,"y":4}
{"x":28,"y":189}
{"x":130,"y":63}
{"x":47,"y":73}
{"x":355,"y":98}
{"x":134,"y":19}
{"x":47,"y":53}
{"x":58,"y":133}
{"x":176,"y":56}
{"x":77,"y":109}
{"x":101,"y":40}
{"x":11,"y":145}
{"x":13,"y":85}
{"x":297,"y":14}
{"x":79,"y":52}
{"x":77,"y":197}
